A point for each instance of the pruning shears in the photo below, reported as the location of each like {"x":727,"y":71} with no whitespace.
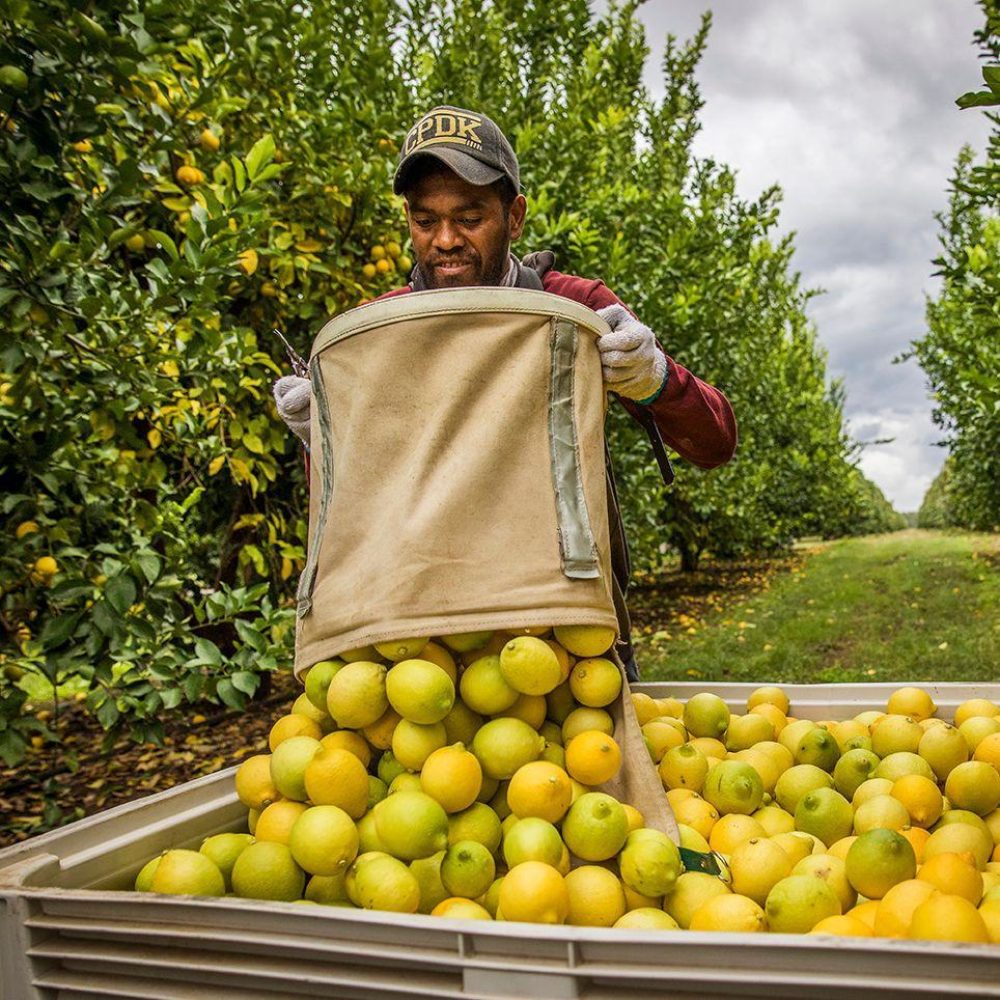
{"x":299,"y":366}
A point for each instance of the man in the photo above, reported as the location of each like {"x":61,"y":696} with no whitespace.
{"x":461,"y":183}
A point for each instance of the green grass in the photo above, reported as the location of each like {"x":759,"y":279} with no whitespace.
{"x":914,"y":605}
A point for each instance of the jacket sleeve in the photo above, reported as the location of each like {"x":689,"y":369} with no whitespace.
{"x":693,"y":417}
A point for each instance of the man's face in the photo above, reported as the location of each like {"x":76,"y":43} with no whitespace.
{"x":461,"y":234}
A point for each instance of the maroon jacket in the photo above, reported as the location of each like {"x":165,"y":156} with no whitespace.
{"x":693,"y":417}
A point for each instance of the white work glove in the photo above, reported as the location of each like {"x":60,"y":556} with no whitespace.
{"x":293,"y":395}
{"x":632,"y":362}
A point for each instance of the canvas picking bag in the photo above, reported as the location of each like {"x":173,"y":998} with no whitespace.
{"x":457,"y":481}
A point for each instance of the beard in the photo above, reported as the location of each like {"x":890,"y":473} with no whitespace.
{"x":479,"y":270}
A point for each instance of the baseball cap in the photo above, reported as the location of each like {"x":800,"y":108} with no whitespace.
{"x":465,"y":141}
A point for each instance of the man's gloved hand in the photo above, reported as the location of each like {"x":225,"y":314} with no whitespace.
{"x":293,"y":396}
{"x":633,"y":364}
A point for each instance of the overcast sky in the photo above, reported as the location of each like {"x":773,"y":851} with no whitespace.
{"x":849,"y":105}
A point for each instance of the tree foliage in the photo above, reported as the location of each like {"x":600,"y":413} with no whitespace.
{"x":960,"y":352}
{"x":178,"y":178}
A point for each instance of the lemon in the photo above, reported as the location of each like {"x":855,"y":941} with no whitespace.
{"x":959,"y":837}
{"x":746,"y":730}
{"x":336,"y":777}
{"x":818,"y":746}
{"x":870,"y":789}
{"x":585,"y":640}
{"x":292,"y":725}
{"x":595,"y":682}
{"x":793,"y":732}
{"x":843,"y":926}
{"x":691,"y":891}
{"x":413,"y":743}
{"x":954,"y":873}
{"x":733,"y":787}
{"x":458,"y":908}
{"x":990,"y":912}
{"x":798,"y":902}
{"x":464,"y":642}
{"x":452,"y":777}
{"x":768,"y":695}
{"x":254,"y":785}
{"x":411,"y":825}
{"x":328,"y":890}
{"x":596,"y":897}
{"x":852,"y":769}
{"x":796,"y":844}
{"x":377,"y":790}
{"x":479,"y":823}
{"x":528,"y":708}
{"x":540,"y":789}
{"x":732,"y":830}
{"x":646,"y":708}
{"x":650,"y":865}
{"x":595,"y":827}
{"x":974,"y":785}
{"x":346,"y":739}
{"x":824,"y":813}
{"x":534,"y":892}
{"x":975,"y":708}
{"x":756,"y":866}
{"x":302,"y":706}
{"x":484,"y":688}
{"x":730,"y":912}
{"x":467,"y":869}
{"x":895,"y":734}
{"x":144,"y":880}
{"x":288,"y":765}
{"x":400,"y":649}
{"x":420,"y":691}
{"x":318,"y":680}
{"x":683,"y":767}
{"x":427,"y":872}
{"x":368,"y":838}
{"x":461,"y":723}
{"x":895,"y":909}
{"x":275,"y":822}
{"x":833,"y":871}
{"x":367,"y":653}
{"x":379,"y":733}
{"x":356,"y":696}
{"x":798,"y":781}
{"x":532,"y":839}
{"x":440,"y":656}
{"x":529,"y":665}
{"x":911,"y":701}
{"x":878,"y":860}
{"x":581,"y":719}
{"x":696,"y":813}
{"x":504,"y":745}
{"x":183,"y":872}
{"x":706,"y":714}
{"x":944,"y":917}
{"x":324,"y":840}
{"x":647,"y":918}
{"x":592,"y":758}
{"x":267,"y":870}
{"x":902,"y":762}
{"x":975,"y":729}
{"x":223,"y":849}
{"x":988,"y":750}
{"x":921,"y":797}
{"x":774,"y":820}
{"x":379,"y":882}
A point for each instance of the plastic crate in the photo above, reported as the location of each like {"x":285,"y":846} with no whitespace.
{"x":69,"y":931}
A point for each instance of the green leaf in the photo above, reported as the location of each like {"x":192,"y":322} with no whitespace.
{"x":150,"y":564}
{"x":163,"y":240}
{"x":107,"y":713}
{"x":991,"y":74}
{"x":228,"y":694}
{"x":250,"y":635}
{"x":120,"y":592}
{"x":260,"y":154}
{"x":171,"y":697}
{"x":208,"y":652}
{"x":245,"y":681}
{"x":978,"y":99}
{"x":57,"y":630}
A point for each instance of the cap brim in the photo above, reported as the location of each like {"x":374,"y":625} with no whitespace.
{"x":467,"y":167}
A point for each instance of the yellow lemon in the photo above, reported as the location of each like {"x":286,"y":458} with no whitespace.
{"x":843,"y":926}
{"x":479,"y":822}
{"x":945,"y":917}
{"x":465,"y":642}
{"x":267,"y":870}
{"x":647,"y":918}
{"x":585,"y":640}
{"x":276,"y":820}
{"x":583,"y":718}
{"x":878,"y":860}
{"x":733,"y":829}
{"x":731,"y":912}
{"x":534,"y":892}
{"x":484,"y":688}
{"x":954,"y":873}
{"x":324,"y":840}
{"x":335,"y":777}
{"x":184,"y":872}
{"x":596,"y":897}
{"x":683,"y":767}
{"x":756,"y":866}
{"x":411,"y":825}
{"x":420,"y":691}
{"x":288,"y":765}
{"x":593,"y":758}
{"x":529,"y":665}
{"x":895,"y":910}
{"x":254,"y":786}
{"x":921,"y":797}
{"x":595,"y":682}
{"x":346,"y":739}
{"x":413,"y":743}
{"x":691,"y":891}
{"x":540,"y":789}
{"x":774,"y":820}
{"x":974,"y":785}
{"x":769,"y":696}
{"x":798,"y":902}
{"x":650,"y":863}
{"x":453,"y":777}
{"x":458,"y":908}
{"x":912,"y":701}
{"x":831,"y":870}
{"x":379,"y":733}
{"x":356,"y":696}
{"x":398,"y":650}
{"x":379,"y":882}
{"x":975,"y":707}
{"x":706,"y":714}
{"x":696,"y":813}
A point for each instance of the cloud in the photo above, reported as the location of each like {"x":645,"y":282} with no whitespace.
{"x":849,"y":106}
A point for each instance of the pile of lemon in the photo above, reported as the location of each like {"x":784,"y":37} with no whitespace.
{"x":457,"y":777}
